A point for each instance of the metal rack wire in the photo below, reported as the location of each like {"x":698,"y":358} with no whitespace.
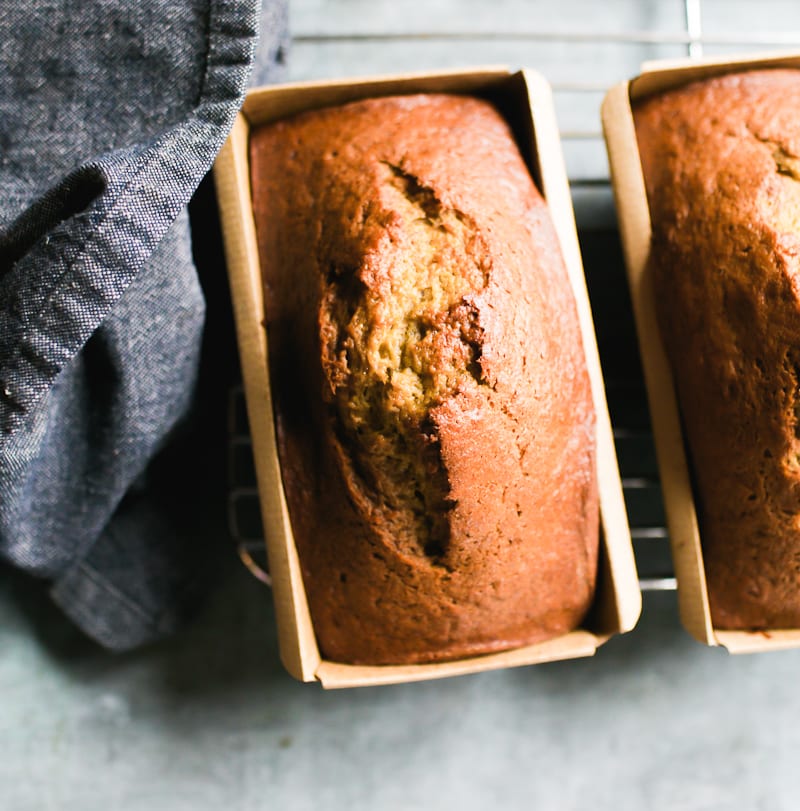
{"x":601,"y":253}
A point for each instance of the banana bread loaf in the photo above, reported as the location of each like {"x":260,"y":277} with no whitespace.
{"x":433,"y":409}
{"x":720,"y":160}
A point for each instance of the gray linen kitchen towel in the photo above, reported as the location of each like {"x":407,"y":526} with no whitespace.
{"x":111,"y":113}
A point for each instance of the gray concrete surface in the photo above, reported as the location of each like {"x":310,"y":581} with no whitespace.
{"x":210,"y":721}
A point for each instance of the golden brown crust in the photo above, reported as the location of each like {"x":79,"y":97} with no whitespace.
{"x":721,"y":169}
{"x":434,"y":414}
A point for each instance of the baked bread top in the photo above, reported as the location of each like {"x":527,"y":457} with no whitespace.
{"x":433,"y":409}
{"x":720,"y":160}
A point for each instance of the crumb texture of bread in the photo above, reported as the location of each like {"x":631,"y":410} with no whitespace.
{"x":433,"y":409}
{"x":721,"y":160}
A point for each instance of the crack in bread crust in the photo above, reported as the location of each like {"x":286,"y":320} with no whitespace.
{"x":404,"y":336}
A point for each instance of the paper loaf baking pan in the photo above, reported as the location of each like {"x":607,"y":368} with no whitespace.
{"x":635,"y":231}
{"x":527,"y":96}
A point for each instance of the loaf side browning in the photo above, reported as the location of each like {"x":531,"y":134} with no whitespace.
{"x":433,"y":410}
{"x":721,"y":165}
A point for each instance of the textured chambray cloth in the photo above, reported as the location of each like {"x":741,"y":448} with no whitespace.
{"x":111,"y":113}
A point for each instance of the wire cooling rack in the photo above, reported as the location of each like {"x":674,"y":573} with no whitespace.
{"x":577,"y":95}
